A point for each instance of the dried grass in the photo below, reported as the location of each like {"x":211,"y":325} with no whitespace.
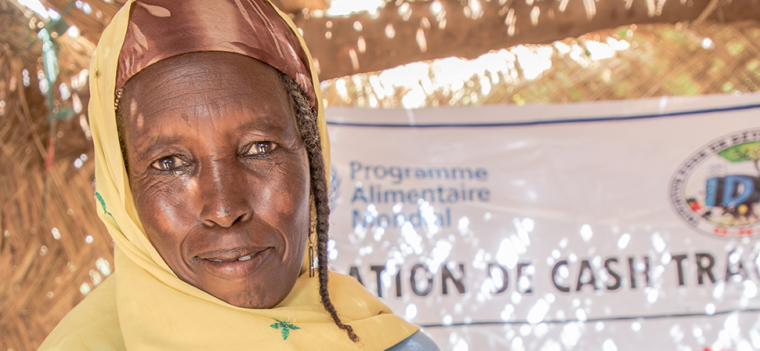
{"x":662,"y":60}
{"x":41,"y":276}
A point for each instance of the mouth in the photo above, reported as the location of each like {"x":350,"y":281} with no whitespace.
{"x":233,"y":264}
{"x":240,"y":259}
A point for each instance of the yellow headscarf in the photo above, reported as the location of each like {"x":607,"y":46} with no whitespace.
{"x":144,"y":306}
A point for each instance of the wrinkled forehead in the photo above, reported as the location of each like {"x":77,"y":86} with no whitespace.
{"x":160,"y":29}
{"x":206,"y":82}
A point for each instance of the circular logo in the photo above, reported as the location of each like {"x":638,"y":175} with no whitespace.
{"x":334,"y":193}
{"x":717,"y":189}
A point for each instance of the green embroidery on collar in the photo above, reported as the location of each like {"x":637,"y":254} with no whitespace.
{"x":103,"y":203}
{"x":286,"y":327}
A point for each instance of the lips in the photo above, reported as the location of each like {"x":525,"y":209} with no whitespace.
{"x":233,"y":254}
{"x":233,"y":264}
{"x":241,"y":259}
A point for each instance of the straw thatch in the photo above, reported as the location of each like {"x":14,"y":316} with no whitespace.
{"x":408,"y":31}
{"x":40,"y":275}
{"x":662,"y":60}
{"x":404,"y":32}
{"x":53,"y":248}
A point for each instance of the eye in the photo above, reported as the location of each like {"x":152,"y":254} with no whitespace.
{"x":260,"y":148}
{"x":170,"y":163}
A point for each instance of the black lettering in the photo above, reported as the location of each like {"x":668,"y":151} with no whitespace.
{"x":586,"y":267}
{"x":354,"y":272}
{"x":554,"y":276}
{"x":612,"y":273}
{"x":730,"y":272}
{"x":679,"y":266}
{"x":632,"y":271}
{"x":398,"y":281}
{"x":446,"y":273}
{"x":705,"y":269}
{"x":413,"y":280}
{"x":504,"y":277}
{"x":520,"y":267}
{"x":379,"y":270}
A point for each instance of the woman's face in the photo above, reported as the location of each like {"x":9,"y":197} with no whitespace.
{"x":219,"y":174}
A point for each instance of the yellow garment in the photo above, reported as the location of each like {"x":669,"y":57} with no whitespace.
{"x":144,"y":306}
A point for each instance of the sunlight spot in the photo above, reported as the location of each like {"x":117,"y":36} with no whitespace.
{"x":347,"y":7}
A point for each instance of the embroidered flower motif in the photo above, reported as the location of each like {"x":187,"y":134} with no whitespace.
{"x":102,"y":203}
{"x":286,"y":327}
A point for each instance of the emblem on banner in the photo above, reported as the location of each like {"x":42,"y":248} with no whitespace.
{"x":334,"y":193}
{"x":717,"y":190}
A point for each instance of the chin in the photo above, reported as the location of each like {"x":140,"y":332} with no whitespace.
{"x":251,"y":301}
{"x":255,"y":297}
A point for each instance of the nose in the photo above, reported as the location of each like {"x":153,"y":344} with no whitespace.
{"x":223,"y":193}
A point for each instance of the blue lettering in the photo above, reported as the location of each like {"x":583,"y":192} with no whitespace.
{"x":730,"y":199}
{"x":359,"y":195}
{"x":357,"y":219}
{"x":355,"y":166}
{"x":711,"y":192}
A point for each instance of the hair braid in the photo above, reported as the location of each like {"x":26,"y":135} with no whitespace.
{"x":306,"y":118}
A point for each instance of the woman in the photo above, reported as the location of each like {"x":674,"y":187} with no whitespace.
{"x":210,"y":148}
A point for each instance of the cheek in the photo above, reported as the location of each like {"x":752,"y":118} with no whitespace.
{"x":290,"y":193}
{"x":165,"y":213}
{"x":293,"y":184}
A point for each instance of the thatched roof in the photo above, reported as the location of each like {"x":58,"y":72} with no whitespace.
{"x":40,"y":275}
{"x":644,"y":61}
{"x":408,"y":31}
{"x":54,"y":250}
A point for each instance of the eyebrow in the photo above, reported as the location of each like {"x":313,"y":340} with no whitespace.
{"x":262,"y":124}
{"x":155,"y":143}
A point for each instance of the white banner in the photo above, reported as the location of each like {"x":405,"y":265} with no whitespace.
{"x":598,"y":226}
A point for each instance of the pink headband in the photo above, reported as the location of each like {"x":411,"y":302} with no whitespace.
{"x":159,"y":29}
